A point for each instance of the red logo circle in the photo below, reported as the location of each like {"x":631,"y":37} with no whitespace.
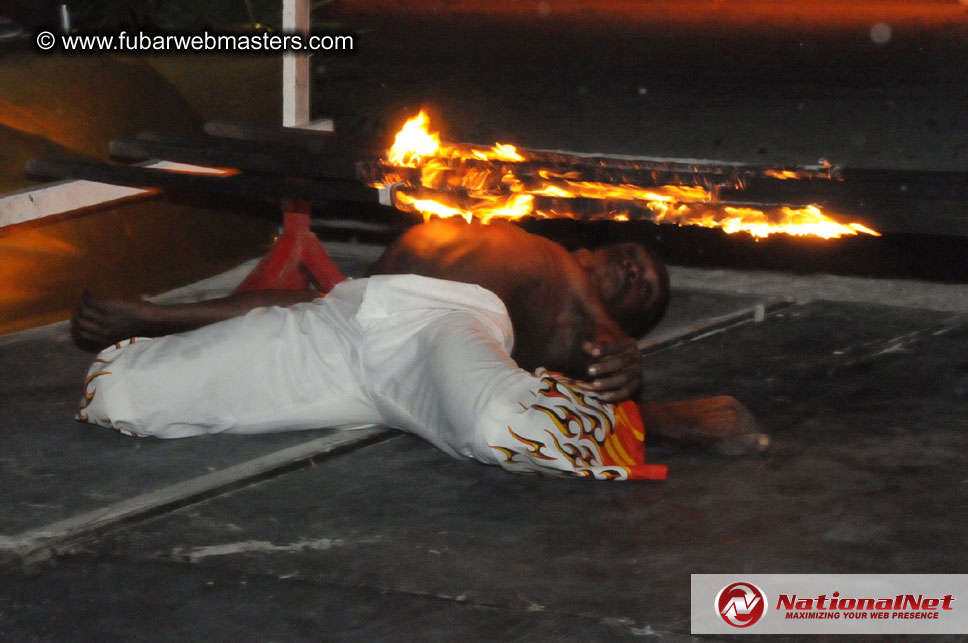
{"x":741,"y":604}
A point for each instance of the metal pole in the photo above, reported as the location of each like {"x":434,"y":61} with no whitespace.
{"x":295,"y":67}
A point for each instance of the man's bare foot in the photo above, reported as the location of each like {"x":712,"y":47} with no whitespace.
{"x":97,"y":323}
{"x":718,"y":423}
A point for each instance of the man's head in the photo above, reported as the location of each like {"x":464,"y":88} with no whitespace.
{"x":632,"y":282}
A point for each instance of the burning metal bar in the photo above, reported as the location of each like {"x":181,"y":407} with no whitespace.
{"x":502,"y":181}
{"x":430,"y":178}
{"x":536,"y":171}
{"x":757,"y":219}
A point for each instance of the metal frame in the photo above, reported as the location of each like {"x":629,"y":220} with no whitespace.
{"x":66,"y":197}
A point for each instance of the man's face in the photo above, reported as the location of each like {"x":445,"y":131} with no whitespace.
{"x":625,"y":277}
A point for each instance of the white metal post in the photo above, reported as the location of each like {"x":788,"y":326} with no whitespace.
{"x":295,"y":67}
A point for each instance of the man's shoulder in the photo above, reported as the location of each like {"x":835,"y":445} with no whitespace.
{"x":499,"y":255}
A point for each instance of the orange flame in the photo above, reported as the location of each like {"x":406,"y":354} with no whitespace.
{"x":472,"y":181}
{"x":807,"y":221}
{"x":414,"y":143}
{"x":784,"y":174}
{"x":512,"y":207}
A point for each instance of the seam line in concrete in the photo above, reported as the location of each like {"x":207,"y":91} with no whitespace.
{"x":710,"y":324}
{"x":62,"y":533}
{"x":867,"y":352}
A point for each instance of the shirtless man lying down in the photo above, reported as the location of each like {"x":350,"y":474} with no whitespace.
{"x":486,"y":291}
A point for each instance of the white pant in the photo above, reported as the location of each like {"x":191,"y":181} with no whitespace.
{"x":424,"y":355}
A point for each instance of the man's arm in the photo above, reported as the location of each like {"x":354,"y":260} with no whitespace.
{"x":588,"y":344}
{"x":98,"y":322}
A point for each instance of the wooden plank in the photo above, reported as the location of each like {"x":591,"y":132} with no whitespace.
{"x":246,"y":186}
{"x":244,"y":156}
{"x":61,"y":198}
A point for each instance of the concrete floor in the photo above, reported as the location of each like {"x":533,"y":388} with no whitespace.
{"x":329,"y":536}
{"x":277,"y":538}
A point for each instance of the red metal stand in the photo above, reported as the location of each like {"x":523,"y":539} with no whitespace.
{"x":297,"y":261}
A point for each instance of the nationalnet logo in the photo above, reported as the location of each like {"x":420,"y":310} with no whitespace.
{"x":830,"y":603}
{"x":741,"y":604}
{"x":863,"y":607}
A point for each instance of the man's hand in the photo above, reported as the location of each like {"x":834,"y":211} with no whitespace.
{"x":614,"y":368}
{"x":100,"y":322}
{"x":97,"y":323}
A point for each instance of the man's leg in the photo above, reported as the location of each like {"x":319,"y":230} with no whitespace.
{"x":444,"y":374}
{"x":273,"y":369}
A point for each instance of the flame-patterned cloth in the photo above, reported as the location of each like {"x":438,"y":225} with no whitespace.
{"x":567,"y":430}
{"x":427,"y":356}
